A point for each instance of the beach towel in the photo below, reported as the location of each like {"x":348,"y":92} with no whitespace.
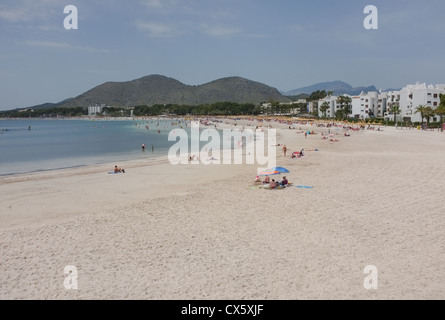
{"x":112,"y":172}
{"x":305,"y":187}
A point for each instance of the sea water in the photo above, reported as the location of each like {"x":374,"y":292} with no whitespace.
{"x":38,"y":145}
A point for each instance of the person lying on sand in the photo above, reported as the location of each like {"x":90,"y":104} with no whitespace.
{"x":118,"y":170}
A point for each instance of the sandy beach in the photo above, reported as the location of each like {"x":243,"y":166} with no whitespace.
{"x":201,"y":232}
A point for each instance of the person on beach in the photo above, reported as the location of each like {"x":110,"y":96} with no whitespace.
{"x":284,"y":150}
{"x":284,"y":182}
{"x":257,"y":181}
{"x":273,"y":184}
{"x":266,"y":180}
{"x":118,"y":170}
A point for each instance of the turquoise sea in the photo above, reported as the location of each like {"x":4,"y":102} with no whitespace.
{"x":37,"y":145}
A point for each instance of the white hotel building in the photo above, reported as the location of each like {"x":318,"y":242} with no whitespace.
{"x":378,"y":104}
{"x":371,"y":104}
{"x":412,"y":96}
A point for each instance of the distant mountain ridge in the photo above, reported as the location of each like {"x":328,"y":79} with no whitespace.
{"x":158,"y":89}
{"x":49,"y":105}
{"x":339,"y":88}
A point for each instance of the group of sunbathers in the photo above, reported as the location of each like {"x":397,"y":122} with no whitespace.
{"x":273,"y":184}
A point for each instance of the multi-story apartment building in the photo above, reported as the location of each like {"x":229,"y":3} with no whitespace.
{"x":333,"y":106}
{"x":412,"y":96}
{"x":371,"y":104}
{"x":379,"y":104}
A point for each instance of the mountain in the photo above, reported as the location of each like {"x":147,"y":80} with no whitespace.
{"x":338,"y":87}
{"x":157,"y":89}
{"x":49,"y":105}
{"x":299,"y":96}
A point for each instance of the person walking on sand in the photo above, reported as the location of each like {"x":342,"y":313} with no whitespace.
{"x":305,"y":134}
{"x":284,"y":150}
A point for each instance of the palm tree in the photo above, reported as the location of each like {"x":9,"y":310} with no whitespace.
{"x":345,"y":105}
{"x":440,"y":110}
{"x":421,"y":109}
{"x":324,"y":107}
{"x":429,"y":112}
{"x":395,"y":110}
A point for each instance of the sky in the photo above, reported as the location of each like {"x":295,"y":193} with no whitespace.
{"x":286,"y":44}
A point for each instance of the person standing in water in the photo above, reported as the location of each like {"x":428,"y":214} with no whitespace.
{"x":143,"y":147}
{"x":152,"y":148}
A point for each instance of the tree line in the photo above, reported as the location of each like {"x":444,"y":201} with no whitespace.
{"x":215,"y":109}
{"x":47,"y":112}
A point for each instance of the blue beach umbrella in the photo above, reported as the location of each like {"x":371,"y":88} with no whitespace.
{"x":280,"y":170}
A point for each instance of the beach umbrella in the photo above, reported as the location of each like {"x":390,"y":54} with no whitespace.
{"x":280,"y":170}
{"x":269,"y":173}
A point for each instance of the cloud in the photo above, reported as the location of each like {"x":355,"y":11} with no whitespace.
{"x":155,"y":29}
{"x":297,"y":29}
{"x":63,"y":45}
{"x":220,"y":31}
{"x":152,"y":3}
{"x":15,"y":14}
{"x":47,"y":44}
{"x":30,"y":12}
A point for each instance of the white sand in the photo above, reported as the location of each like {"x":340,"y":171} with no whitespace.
{"x":198,"y":232}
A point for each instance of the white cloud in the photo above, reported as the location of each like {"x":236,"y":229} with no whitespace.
{"x":63,"y":45}
{"x":156,"y":29}
{"x":297,"y":29}
{"x":30,"y":11}
{"x":220,"y":31}
{"x":152,"y":3}
{"x":48,"y":44}
{"x":15,"y":14}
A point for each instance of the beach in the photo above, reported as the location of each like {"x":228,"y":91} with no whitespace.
{"x":202,"y":232}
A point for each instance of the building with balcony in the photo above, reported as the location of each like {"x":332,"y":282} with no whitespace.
{"x":412,"y":96}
